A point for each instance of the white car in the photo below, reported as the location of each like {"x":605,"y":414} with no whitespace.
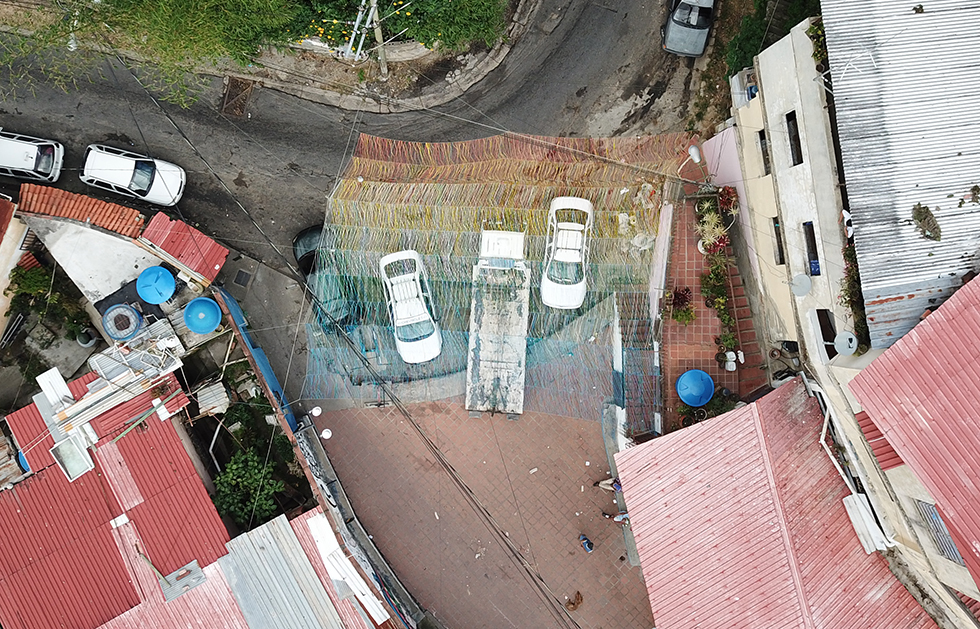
{"x":133,"y":175}
{"x":566,"y":254}
{"x":417,"y":335}
{"x":27,"y":157}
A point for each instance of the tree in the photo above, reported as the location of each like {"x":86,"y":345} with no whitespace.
{"x":246,"y":485}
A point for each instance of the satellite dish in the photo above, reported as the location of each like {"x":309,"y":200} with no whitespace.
{"x":801,"y":285}
{"x":846,"y":343}
{"x":695,"y":153}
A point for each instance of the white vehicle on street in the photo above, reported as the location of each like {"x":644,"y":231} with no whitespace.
{"x":27,"y":157}
{"x":417,"y":335}
{"x":566,"y":254}
{"x":133,"y":175}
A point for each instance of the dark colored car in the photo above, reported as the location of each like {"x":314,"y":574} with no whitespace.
{"x":687,"y":28}
{"x":333,"y":292}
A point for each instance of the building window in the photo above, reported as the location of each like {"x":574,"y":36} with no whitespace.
{"x":793,"y":131}
{"x":778,"y":232}
{"x":940,"y":534}
{"x":764,"y":147}
{"x":828,"y":332}
{"x":811,"y":248}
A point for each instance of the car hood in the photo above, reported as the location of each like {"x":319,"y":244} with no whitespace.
{"x":684,"y":40}
{"x":421,"y":351}
{"x":562,"y":296}
{"x":168,"y":184}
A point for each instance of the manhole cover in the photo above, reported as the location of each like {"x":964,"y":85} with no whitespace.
{"x":237,"y":94}
{"x":242,"y":278}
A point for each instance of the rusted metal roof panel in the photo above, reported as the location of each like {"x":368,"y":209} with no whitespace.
{"x":907,"y":123}
{"x":739,"y":524}
{"x":124,"y":415}
{"x":883,"y":451}
{"x":48,"y":201}
{"x":922,"y":395}
{"x":187,"y":245}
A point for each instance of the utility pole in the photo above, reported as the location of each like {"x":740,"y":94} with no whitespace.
{"x":382,"y":60}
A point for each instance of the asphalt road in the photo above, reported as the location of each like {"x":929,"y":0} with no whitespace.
{"x":582,"y":68}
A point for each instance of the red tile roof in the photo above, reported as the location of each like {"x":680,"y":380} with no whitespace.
{"x":187,"y":245}
{"x":59,"y":566}
{"x":57,"y":536}
{"x":883,"y":451}
{"x":739,"y":524}
{"x":28,"y":261}
{"x":62,"y":204}
{"x":6,"y":213}
{"x":922,"y":395}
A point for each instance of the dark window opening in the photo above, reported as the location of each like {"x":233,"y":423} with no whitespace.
{"x":778,"y":231}
{"x":811,"y":248}
{"x":764,"y":147}
{"x":828,"y":332}
{"x":795,"y":146}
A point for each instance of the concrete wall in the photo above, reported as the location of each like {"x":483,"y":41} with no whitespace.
{"x":805,"y":192}
{"x":776,"y":303}
{"x":10,"y":254}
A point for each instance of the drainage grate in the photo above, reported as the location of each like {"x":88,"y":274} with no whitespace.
{"x":237,"y":94}
{"x":242,"y":278}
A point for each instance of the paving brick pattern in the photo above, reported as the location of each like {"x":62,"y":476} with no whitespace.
{"x":693,"y":346}
{"x":443,"y":551}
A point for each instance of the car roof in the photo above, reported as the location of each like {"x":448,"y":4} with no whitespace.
{"x":112,"y":168}
{"x":16,"y":153}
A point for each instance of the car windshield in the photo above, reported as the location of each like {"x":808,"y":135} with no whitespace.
{"x":45,"y":160}
{"x":415,"y":331}
{"x":565,"y":272}
{"x":692,"y":16}
{"x":142,"y":177}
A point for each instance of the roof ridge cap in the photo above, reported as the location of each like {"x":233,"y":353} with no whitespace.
{"x":805,"y":609}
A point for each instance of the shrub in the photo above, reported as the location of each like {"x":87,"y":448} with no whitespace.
{"x":244,"y":490}
{"x":684,"y":315}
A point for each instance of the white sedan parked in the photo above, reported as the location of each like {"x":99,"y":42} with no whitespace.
{"x":566,"y":254}
{"x":417,"y":335}
{"x":133,"y":175}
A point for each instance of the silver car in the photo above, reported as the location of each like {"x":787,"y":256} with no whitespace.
{"x":688,"y":24}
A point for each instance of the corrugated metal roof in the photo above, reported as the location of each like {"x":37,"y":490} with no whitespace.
{"x":32,"y":433}
{"x":922,"y":394}
{"x":50,"y":201}
{"x":209,"y":605}
{"x":187,"y":245}
{"x":906,"y":115}
{"x":58,"y":536}
{"x":59,"y":566}
{"x":972,"y":605}
{"x":345,"y":608}
{"x":882,"y":450}
{"x":274,"y":583}
{"x":739,"y":523}
{"x":176,"y":519}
